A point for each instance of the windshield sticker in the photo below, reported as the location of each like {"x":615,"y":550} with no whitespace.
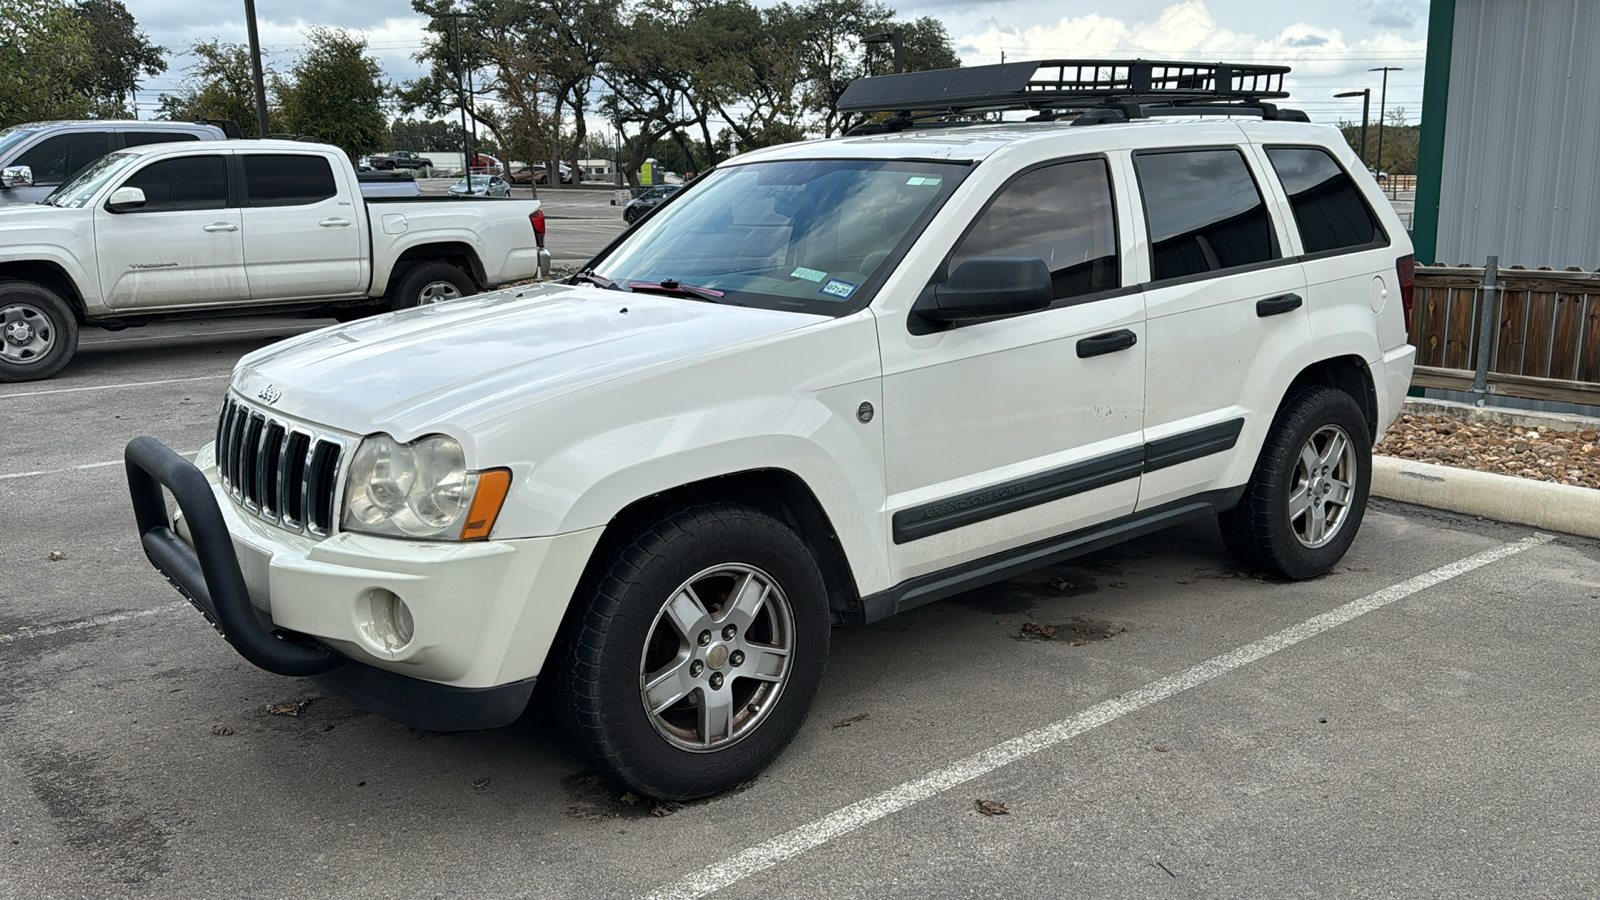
{"x":808,"y":274}
{"x":923,"y":179}
{"x":837,"y":288}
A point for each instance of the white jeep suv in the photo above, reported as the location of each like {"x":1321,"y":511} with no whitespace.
{"x":828,"y":382}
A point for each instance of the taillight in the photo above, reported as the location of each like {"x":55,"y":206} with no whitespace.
{"x":1405,"y":268}
{"x":537,"y":219}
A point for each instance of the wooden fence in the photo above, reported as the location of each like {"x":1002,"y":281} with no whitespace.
{"x":1545,"y":342}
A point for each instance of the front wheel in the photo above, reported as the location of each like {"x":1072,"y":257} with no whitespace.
{"x":698,"y":653}
{"x":38,"y":332}
{"x":1305,"y":499}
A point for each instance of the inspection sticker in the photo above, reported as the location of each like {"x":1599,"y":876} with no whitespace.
{"x":923,"y":179}
{"x":808,"y":274}
{"x":837,"y":288}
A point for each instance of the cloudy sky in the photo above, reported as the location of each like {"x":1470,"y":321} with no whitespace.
{"x":1330,"y":43}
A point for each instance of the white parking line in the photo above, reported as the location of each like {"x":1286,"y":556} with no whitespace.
{"x":24,"y":634}
{"x":98,"y":465}
{"x":108,"y":387}
{"x":864,"y":812}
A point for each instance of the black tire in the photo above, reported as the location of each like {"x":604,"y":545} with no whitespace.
{"x":626,"y":632}
{"x":630,"y":215}
{"x":430,"y":282}
{"x":1263,"y":532}
{"x":38,"y":332}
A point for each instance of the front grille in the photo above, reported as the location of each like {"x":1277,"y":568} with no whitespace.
{"x":278,"y":471}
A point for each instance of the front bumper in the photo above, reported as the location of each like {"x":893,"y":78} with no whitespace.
{"x":484,"y":613}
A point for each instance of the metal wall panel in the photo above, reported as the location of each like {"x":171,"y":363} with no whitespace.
{"x":1521,"y":173}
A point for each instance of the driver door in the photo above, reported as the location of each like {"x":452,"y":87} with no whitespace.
{"x":1006,"y":431}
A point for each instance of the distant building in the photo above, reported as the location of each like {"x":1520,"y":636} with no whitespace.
{"x":1509,"y":162}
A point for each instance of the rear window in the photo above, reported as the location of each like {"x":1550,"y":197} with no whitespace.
{"x":1204,"y":211}
{"x":282,"y":179}
{"x":1328,"y":209}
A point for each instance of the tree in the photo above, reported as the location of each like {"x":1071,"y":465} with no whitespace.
{"x":334,"y":92}
{"x":43,"y":47}
{"x":832,"y":40}
{"x":219,"y":85}
{"x":121,"y":53}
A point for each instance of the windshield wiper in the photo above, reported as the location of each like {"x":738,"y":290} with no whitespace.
{"x":590,"y":276}
{"x":676,"y":289}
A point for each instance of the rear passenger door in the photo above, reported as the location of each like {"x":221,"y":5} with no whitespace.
{"x":302,"y":235}
{"x":1226,"y":317}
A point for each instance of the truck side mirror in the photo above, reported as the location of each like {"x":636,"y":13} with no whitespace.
{"x":125,"y":199}
{"x":16,"y":176}
{"x":988,"y":287}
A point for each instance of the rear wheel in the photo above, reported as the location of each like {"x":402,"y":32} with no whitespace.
{"x":1305,"y":499}
{"x":429,"y":283}
{"x":38,"y":332}
{"x":698,"y":653}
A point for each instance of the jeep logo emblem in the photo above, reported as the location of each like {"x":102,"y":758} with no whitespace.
{"x":270,"y":394}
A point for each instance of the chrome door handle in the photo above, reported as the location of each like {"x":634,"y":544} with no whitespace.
{"x":334,"y":223}
{"x":222,"y":226}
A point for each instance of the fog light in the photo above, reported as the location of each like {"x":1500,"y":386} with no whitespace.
{"x":389,"y":623}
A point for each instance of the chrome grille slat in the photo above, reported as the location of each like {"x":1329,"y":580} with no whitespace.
{"x":278,"y":471}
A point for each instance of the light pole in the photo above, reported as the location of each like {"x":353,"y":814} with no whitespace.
{"x":461,"y":97}
{"x":889,"y":37}
{"x":1382,"y":99}
{"x":255,"y":69}
{"x":1366,"y":105}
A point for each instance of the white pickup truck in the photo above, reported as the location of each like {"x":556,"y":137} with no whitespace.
{"x":252,"y":226}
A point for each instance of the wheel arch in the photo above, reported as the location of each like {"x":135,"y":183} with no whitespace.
{"x":49,"y":275}
{"x":457,"y":253}
{"x":1350,"y":374}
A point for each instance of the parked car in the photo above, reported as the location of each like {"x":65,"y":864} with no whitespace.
{"x":401,"y":159}
{"x":650,"y":199}
{"x":484,"y":185}
{"x":237,"y":225}
{"x":528,"y":174}
{"x":836,"y":381}
{"x":38,"y":157}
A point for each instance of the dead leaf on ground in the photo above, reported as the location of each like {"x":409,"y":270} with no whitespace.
{"x":662,"y":810}
{"x":293,"y":708}
{"x":480,"y":783}
{"x":1161,"y":749}
{"x":57,"y":556}
{"x":846,"y":723}
{"x":221,"y":730}
{"x":1037,"y":630}
{"x":992,"y":808}
{"x":630,"y":798}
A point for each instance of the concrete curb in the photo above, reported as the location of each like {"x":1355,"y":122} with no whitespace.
{"x":1504,"y":498}
{"x":1499,"y":415}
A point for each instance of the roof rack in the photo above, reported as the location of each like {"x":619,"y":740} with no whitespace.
{"x":1116,"y":89}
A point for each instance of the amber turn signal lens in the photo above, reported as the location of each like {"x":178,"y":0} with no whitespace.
{"x":492,"y":488}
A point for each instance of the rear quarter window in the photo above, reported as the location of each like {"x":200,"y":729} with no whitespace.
{"x":1328,"y":209}
{"x":1204,"y":210}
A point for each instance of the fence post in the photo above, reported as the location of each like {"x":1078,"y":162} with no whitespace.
{"x":1488,"y":309}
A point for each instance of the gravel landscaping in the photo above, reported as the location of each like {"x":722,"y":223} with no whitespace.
{"x":1563,"y":457}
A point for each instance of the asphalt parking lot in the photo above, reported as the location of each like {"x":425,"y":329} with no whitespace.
{"x":578,"y":221}
{"x":1148,"y":721}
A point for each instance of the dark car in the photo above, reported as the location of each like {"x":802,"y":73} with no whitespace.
{"x":647,"y":201}
{"x":402,"y":159}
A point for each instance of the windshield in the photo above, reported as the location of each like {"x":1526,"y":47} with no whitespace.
{"x":82,"y":187}
{"x":814,"y":236}
{"x":13,"y":136}
{"x":477,"y":181}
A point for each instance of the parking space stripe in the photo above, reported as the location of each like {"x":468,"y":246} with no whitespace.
{"x":24,"y":634}
{"x":98,"y":465}
{"x":864,"y":812}
{"x":108,"y":387}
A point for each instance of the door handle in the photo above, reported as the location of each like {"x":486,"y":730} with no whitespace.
{"x":1110,"y":342}
{"x":221,"y":226}
{"x":334,"y":223}
{"x":1274,"y":305}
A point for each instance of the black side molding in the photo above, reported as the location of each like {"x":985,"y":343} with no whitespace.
{"x":1274,"y":305}
{"x":208,"y":574}
{"x":1181,"y":448}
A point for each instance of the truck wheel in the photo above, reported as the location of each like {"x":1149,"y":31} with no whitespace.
{"x":432,"y":282}
{"x":38,"y":332}
{"x":698,"y":653}
{"x":1304,"y":502}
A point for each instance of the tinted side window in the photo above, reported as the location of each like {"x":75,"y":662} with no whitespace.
{"x":287,"y":180}
{"x":1204,"y":210}
{"x":56,"y":159}
{"x":188,"y":182}
{"x":140,"y":138}
{"x":1327,"y":207}
{"x":1061,"y":214}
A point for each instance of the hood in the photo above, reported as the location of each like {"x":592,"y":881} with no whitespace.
{"x":450,"y":366}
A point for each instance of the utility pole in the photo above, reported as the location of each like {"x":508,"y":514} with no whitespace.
{"x":1382,"y":99}
{"x":1366,"y":111}
{"x":461,"y":97}
{"x":255,"y":68}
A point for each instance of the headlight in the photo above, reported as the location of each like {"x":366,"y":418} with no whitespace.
{"x":420,"y":490}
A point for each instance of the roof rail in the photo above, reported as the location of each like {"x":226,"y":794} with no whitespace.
{"x":1132,"y":87}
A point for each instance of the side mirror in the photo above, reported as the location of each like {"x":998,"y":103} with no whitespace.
{"x":16,"y":176}
{"x":989,"y":287}
{"x":124,"y":199}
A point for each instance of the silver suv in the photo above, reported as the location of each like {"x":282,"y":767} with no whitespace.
{"x":38,"y":157}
